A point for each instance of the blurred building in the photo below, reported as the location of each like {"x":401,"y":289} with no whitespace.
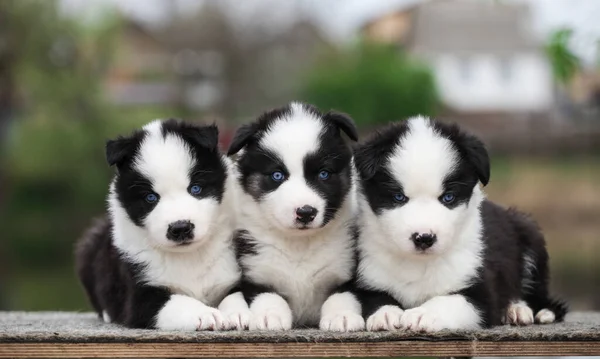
{"x":491,"y":73}
{"x":203,"y":64}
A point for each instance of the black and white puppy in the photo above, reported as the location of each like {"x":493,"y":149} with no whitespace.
{"x":297,"y":204}
{"x":433,"y":252}
{"x":163,"y":258}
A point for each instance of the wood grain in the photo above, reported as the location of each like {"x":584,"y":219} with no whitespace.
{"x":297,"y":350}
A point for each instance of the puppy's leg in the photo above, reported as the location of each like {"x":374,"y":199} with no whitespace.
{"x":442,"y":312}
{"x":341,"y":312}
{"x":236,"y":312}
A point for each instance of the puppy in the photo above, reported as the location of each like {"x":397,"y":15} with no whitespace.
{"x":297,"y":204}
{"x":163,"y":258}
{"x":434,"y":254}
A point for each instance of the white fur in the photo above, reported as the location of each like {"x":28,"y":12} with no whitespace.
{"x":292,"y":138}
{"x":235,"y":311}
{"x":385,"y":318}
{"x":204,"y":270}
{"x":545,"y":316}
{"x":341,"y":312}
{"x":185,"y":313}
{"x":442,"y":312}
{"x":106,"y":317}
{"x":519,"y":313}
{"x":389,"y":260}
{"x":303,"y":265}
{"x":270,"y":312}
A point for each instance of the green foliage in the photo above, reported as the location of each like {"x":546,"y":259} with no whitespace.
{"x":564,"y":63}
{"x":373,"y":83}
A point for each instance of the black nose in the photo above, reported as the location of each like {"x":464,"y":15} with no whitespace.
{"x":306,"y":214}
{"x":180,"y":231}
{"x":423,"y":240}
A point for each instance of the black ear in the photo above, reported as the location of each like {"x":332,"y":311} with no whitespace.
{"x":241,"y":138}
{"x":477,"y":155}
{"x":119,"y":150}
{"x":344,"y":123}
{"x":204,"y":136}
{"x":368,"y":159}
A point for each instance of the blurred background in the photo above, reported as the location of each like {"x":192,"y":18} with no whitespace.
{"x":524,"y":75}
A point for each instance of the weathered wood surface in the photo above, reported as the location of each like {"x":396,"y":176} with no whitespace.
{"x":76,"y":335}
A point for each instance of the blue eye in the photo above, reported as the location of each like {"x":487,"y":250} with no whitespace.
{"x":195,"y":190}
{"x":277,"y":176}
{"x":448,"y":198}
{"x":151,"y":198}
{"x":324,"y":175}
{"x":399,"y":197}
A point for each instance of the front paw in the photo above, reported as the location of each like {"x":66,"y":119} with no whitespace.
{"x":188,"y":314}
{"x":237,"y":320}
{"x":518,"y":313}
{"x":421,"y":320}
{"x":385,"y":318}
{"x":342,"y":322}
{"x":271,"y":320}
{"x":210,"y":319}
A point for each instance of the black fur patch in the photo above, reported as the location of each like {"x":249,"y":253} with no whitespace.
{"x":111,"y":281}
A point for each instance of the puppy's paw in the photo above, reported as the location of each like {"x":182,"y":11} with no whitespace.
{"x":420,"y":319}
{"x":210,"y":319}
{"x":346,"y":321}
{"x":545,"y":316}
{"x":271,"y":320}
{"x":519,"y":313}
{"x":188,"y":314}
{"x":270,"y":312}
{"x":385,"y":318}
{"x":237,"y":320}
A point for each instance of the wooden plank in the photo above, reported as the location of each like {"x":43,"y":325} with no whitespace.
{"x":297,"y":350}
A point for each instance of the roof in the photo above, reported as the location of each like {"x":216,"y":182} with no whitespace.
{"x":471,"y":26}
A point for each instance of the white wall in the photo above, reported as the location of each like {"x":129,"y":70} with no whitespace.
{"x":482,"y":82}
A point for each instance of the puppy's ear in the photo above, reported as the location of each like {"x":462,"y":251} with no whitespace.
{"x":344,"y":123}
{"x":476,"y":154}
{"x":203,"y":136}
{"x":241,"y":138}
{"x":368,"y":159}
{"x":120,"y":150}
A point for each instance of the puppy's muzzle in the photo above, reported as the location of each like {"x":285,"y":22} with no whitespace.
{"x":306,"y":214}
{"x":423,"y":241}
{"x":180,"y":231}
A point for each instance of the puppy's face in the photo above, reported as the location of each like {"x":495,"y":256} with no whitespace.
{"x":169,"y":183}
{"x":295,"y":165}
{"x":419,"y":179}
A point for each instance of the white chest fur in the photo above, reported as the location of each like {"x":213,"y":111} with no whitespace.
{"x":303,"y":270}
{"x":205,"y":277}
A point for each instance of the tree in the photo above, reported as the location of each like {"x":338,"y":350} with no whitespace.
{"x":564,"y":63}
{"x":373,"y":83}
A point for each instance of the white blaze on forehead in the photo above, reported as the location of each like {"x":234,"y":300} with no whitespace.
{"x":165,"y":160}
{"x":294,"y":136}
{"x":422,"y":159}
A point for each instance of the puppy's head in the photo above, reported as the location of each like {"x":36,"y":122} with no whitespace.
{"x":295,"y":165}
{"x":420,"y":179}
{"x":169,"y":183}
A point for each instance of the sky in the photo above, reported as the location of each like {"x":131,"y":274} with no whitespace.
{"x":340,"y":19}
